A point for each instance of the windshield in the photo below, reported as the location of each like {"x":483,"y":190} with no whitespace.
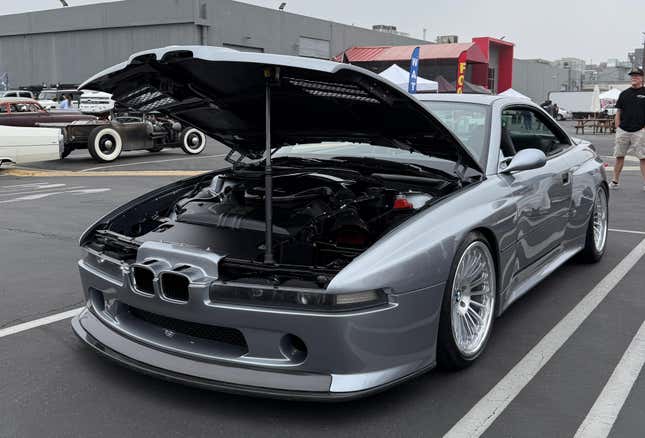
{"x":469,"y":121}
{"x":47,"y":95}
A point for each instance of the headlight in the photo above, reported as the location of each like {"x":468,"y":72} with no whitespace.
{"x":295,"y":299}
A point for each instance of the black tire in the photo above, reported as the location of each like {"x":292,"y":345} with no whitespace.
{"x":66,"y":151}
{"x":591,"y":253}
{"x":193,"y":141}
{"x":105,"y":144}
{"x":156,"y":149}
{"x":449,"y":357}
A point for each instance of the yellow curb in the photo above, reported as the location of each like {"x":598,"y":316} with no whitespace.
{"x":56,"y":173}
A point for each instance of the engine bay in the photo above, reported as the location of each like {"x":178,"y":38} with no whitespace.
{"x":323,"y":217}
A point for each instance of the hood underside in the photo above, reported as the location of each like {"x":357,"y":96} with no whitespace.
{"x":222,"y":92}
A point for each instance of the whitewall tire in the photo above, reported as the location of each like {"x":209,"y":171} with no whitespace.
{"x":105,"y":144}
{"x":193,"y":141}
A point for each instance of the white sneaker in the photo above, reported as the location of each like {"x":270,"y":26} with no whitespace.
{"x":614,"y":185}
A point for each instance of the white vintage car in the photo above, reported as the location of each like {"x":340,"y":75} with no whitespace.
{"x":21,"y":145}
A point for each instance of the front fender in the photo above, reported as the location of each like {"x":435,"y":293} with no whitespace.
{"x":419,"y":252}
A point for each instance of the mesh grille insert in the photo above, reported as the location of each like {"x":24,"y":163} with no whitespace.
{"x":225,"y":335}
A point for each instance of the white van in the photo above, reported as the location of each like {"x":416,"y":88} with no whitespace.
{"x":95,"y":102}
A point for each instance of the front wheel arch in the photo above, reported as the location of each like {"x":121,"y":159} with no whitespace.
{"x":450,"y":355}
{"x":494,"y":247}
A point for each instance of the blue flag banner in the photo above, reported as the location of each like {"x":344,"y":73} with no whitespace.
{"x":414,"y":71}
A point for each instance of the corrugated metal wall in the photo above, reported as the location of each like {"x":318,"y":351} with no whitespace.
{"x":536,"y":78}
{"x":71,"y":44}
{"x":71,"y":57}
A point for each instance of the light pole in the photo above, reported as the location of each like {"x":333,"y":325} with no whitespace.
{"x":64,"y":3}
{"x":643,"y":60}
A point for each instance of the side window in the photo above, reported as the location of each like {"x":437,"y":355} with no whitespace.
{"x":33,"y":108}
{"x":522,"y":128}
{"x":25,"y":94}
{"x":3,"y":108}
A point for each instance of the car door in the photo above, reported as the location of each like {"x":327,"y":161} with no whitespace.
{"x":543,"y":196}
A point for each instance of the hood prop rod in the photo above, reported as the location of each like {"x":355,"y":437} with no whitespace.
{"x":269,"y":75}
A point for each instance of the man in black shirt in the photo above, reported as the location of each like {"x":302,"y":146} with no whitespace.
{"x":630,"y":125}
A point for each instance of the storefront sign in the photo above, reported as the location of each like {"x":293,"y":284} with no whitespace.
{"x":461,"y":72}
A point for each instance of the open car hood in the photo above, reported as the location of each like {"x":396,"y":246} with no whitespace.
{"x":222,"y":92}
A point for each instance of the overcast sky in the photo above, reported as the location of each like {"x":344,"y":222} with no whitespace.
{"x":548,"y":29}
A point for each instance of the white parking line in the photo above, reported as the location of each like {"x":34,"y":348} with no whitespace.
{"x":482,"y":415}
{"x":25,"y":185}
{"x":12,"y":189}
{"x":617,"y":230}
{"x":152,"y":162}
{"x":39,"y":322}
{"x":77,"y":191}
{"x":627,"y":158}
{"x":41,"y":190}
{"x":605,"y":410}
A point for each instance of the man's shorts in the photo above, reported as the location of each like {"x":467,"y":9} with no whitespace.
{"x":630,"y":140}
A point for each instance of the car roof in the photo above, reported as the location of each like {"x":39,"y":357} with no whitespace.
{"x":17,"y":100}
{"x":481,"y":99}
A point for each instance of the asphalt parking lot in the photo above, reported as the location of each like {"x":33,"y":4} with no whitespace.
{"x":545,"y":372}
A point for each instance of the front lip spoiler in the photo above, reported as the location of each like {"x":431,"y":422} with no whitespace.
{"x":231,"y":388}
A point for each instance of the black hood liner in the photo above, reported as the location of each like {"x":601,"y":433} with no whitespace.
{"x":226,"y":100}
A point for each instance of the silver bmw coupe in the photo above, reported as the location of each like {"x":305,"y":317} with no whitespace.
{"x":359,"y":237}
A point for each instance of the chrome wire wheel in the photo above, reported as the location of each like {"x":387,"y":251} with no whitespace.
{"x":473,"y":299}
{"x":599,"y":220}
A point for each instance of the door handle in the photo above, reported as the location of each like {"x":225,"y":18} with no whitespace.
{"x":566,"y":178}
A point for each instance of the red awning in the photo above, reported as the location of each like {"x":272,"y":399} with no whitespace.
{"x":403,"y":53}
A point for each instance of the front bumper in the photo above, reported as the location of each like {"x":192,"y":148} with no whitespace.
{"x":217,"y":377}
{"x":348,"y":355}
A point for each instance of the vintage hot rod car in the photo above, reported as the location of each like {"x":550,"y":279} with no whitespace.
{"x":106,"y":139}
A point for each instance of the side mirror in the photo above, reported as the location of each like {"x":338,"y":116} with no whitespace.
{"x":526,"y":159}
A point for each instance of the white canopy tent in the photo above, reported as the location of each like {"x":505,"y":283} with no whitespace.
{"x":610,"y":95}
{"x":401,"y":77}
{"x":514,"y":93}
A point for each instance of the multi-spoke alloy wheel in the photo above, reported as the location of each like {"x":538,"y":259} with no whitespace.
{"x":473,"y":299}
{"x":599,"y":221}
{"x":596,"y":239}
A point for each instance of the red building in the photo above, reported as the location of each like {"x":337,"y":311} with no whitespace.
{"x":489,"y":62}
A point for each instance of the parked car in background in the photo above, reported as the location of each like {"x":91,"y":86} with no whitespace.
{"x":49,"y":98}
{"x":106,"y":139}
{"x":95,"y":102}
{"x":20,"y":145}
{"x":16,"y":111}
{"x":563,"y":114}
{"x":17,"y":93}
